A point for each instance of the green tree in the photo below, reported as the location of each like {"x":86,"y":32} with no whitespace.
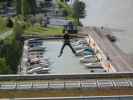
{"x":26,"y":7}
{"x":18,"y":6}
{"x":79,"y":8}
{"x":33,"y":6}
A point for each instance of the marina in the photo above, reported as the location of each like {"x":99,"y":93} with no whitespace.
{"x":42,"y":58}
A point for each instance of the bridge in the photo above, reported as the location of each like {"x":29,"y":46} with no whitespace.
{"x":66,"y":85}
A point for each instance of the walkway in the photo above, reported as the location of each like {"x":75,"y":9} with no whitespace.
{"x":117,"y":58}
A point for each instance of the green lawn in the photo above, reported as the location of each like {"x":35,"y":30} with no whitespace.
{"x":44,"y":32}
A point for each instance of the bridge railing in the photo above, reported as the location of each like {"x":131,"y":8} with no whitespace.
{"x":65,"y":76}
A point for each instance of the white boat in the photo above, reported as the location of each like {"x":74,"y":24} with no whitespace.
{"x":35,"y":53}
{"x":35,"y":40}
{"x":38,"y":65}
{"x":93,"y":65}
{"x":89,"y":60}
{"x":80,"y":47}
{"x":79,"y":42}
{"x":33,"y":70}
{"x":43,"y":71}
{"x":82,"y":52}
{"x":87,"y":57}
{"x":38,"y":70}
{"x":37,"y":49}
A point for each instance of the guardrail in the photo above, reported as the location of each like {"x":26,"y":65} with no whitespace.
{"x":82,"y":98}
{"x":65,"y":76}
{"x":68,"y":84}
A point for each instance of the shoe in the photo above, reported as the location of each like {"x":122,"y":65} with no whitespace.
{"x":75,"y":54}
{"x":59,"y":56}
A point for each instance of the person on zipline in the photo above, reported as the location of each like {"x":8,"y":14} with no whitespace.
{"x":66,"y":37}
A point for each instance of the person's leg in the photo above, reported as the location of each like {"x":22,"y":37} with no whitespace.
{"x":69,"y":44}
{"x":61,"y":51}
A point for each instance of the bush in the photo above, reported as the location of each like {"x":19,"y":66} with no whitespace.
{"x":19,"y":29}
{"x":4,"y":68}
{"x":11,"y":50}
{"x":9,"y":23}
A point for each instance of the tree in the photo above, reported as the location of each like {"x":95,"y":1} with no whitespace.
{"x":79,"y":9}
{"x":18,"y":6}
{"x":33,"y":6}
{"x":26,"y":7}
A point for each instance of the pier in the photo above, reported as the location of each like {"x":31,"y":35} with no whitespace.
{"x":109,"y":53}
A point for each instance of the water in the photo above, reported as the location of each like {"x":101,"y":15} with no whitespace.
{"x":68,"y":63}
{"x":115,"y":14}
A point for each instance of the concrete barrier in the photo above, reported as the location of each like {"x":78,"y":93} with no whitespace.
{"x":67,"y":76}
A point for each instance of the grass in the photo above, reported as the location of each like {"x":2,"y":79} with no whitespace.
{"x":44,"y":32}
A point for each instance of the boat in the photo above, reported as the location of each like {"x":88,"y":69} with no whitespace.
{"x":84,"y":52}
{"x":79,"y":43}
{"x":35,"y":39}
{"x":111,"y":37}
{"x":34,"y":42}
{"x":33,"y":70}
{"x":37,"y":49}
{"x":43,"y":71}
{"x":98,"y":70}
{"x":87,"y":57}
{"x":93,"y":65}
{"x":38,"y":70}
{"x":42,"y":65}
{"x":35,"y":54}
{"x":89,"y":60}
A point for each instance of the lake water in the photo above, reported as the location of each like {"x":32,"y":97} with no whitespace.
{"x":68,"y":63}
{"x":115,"y":14}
